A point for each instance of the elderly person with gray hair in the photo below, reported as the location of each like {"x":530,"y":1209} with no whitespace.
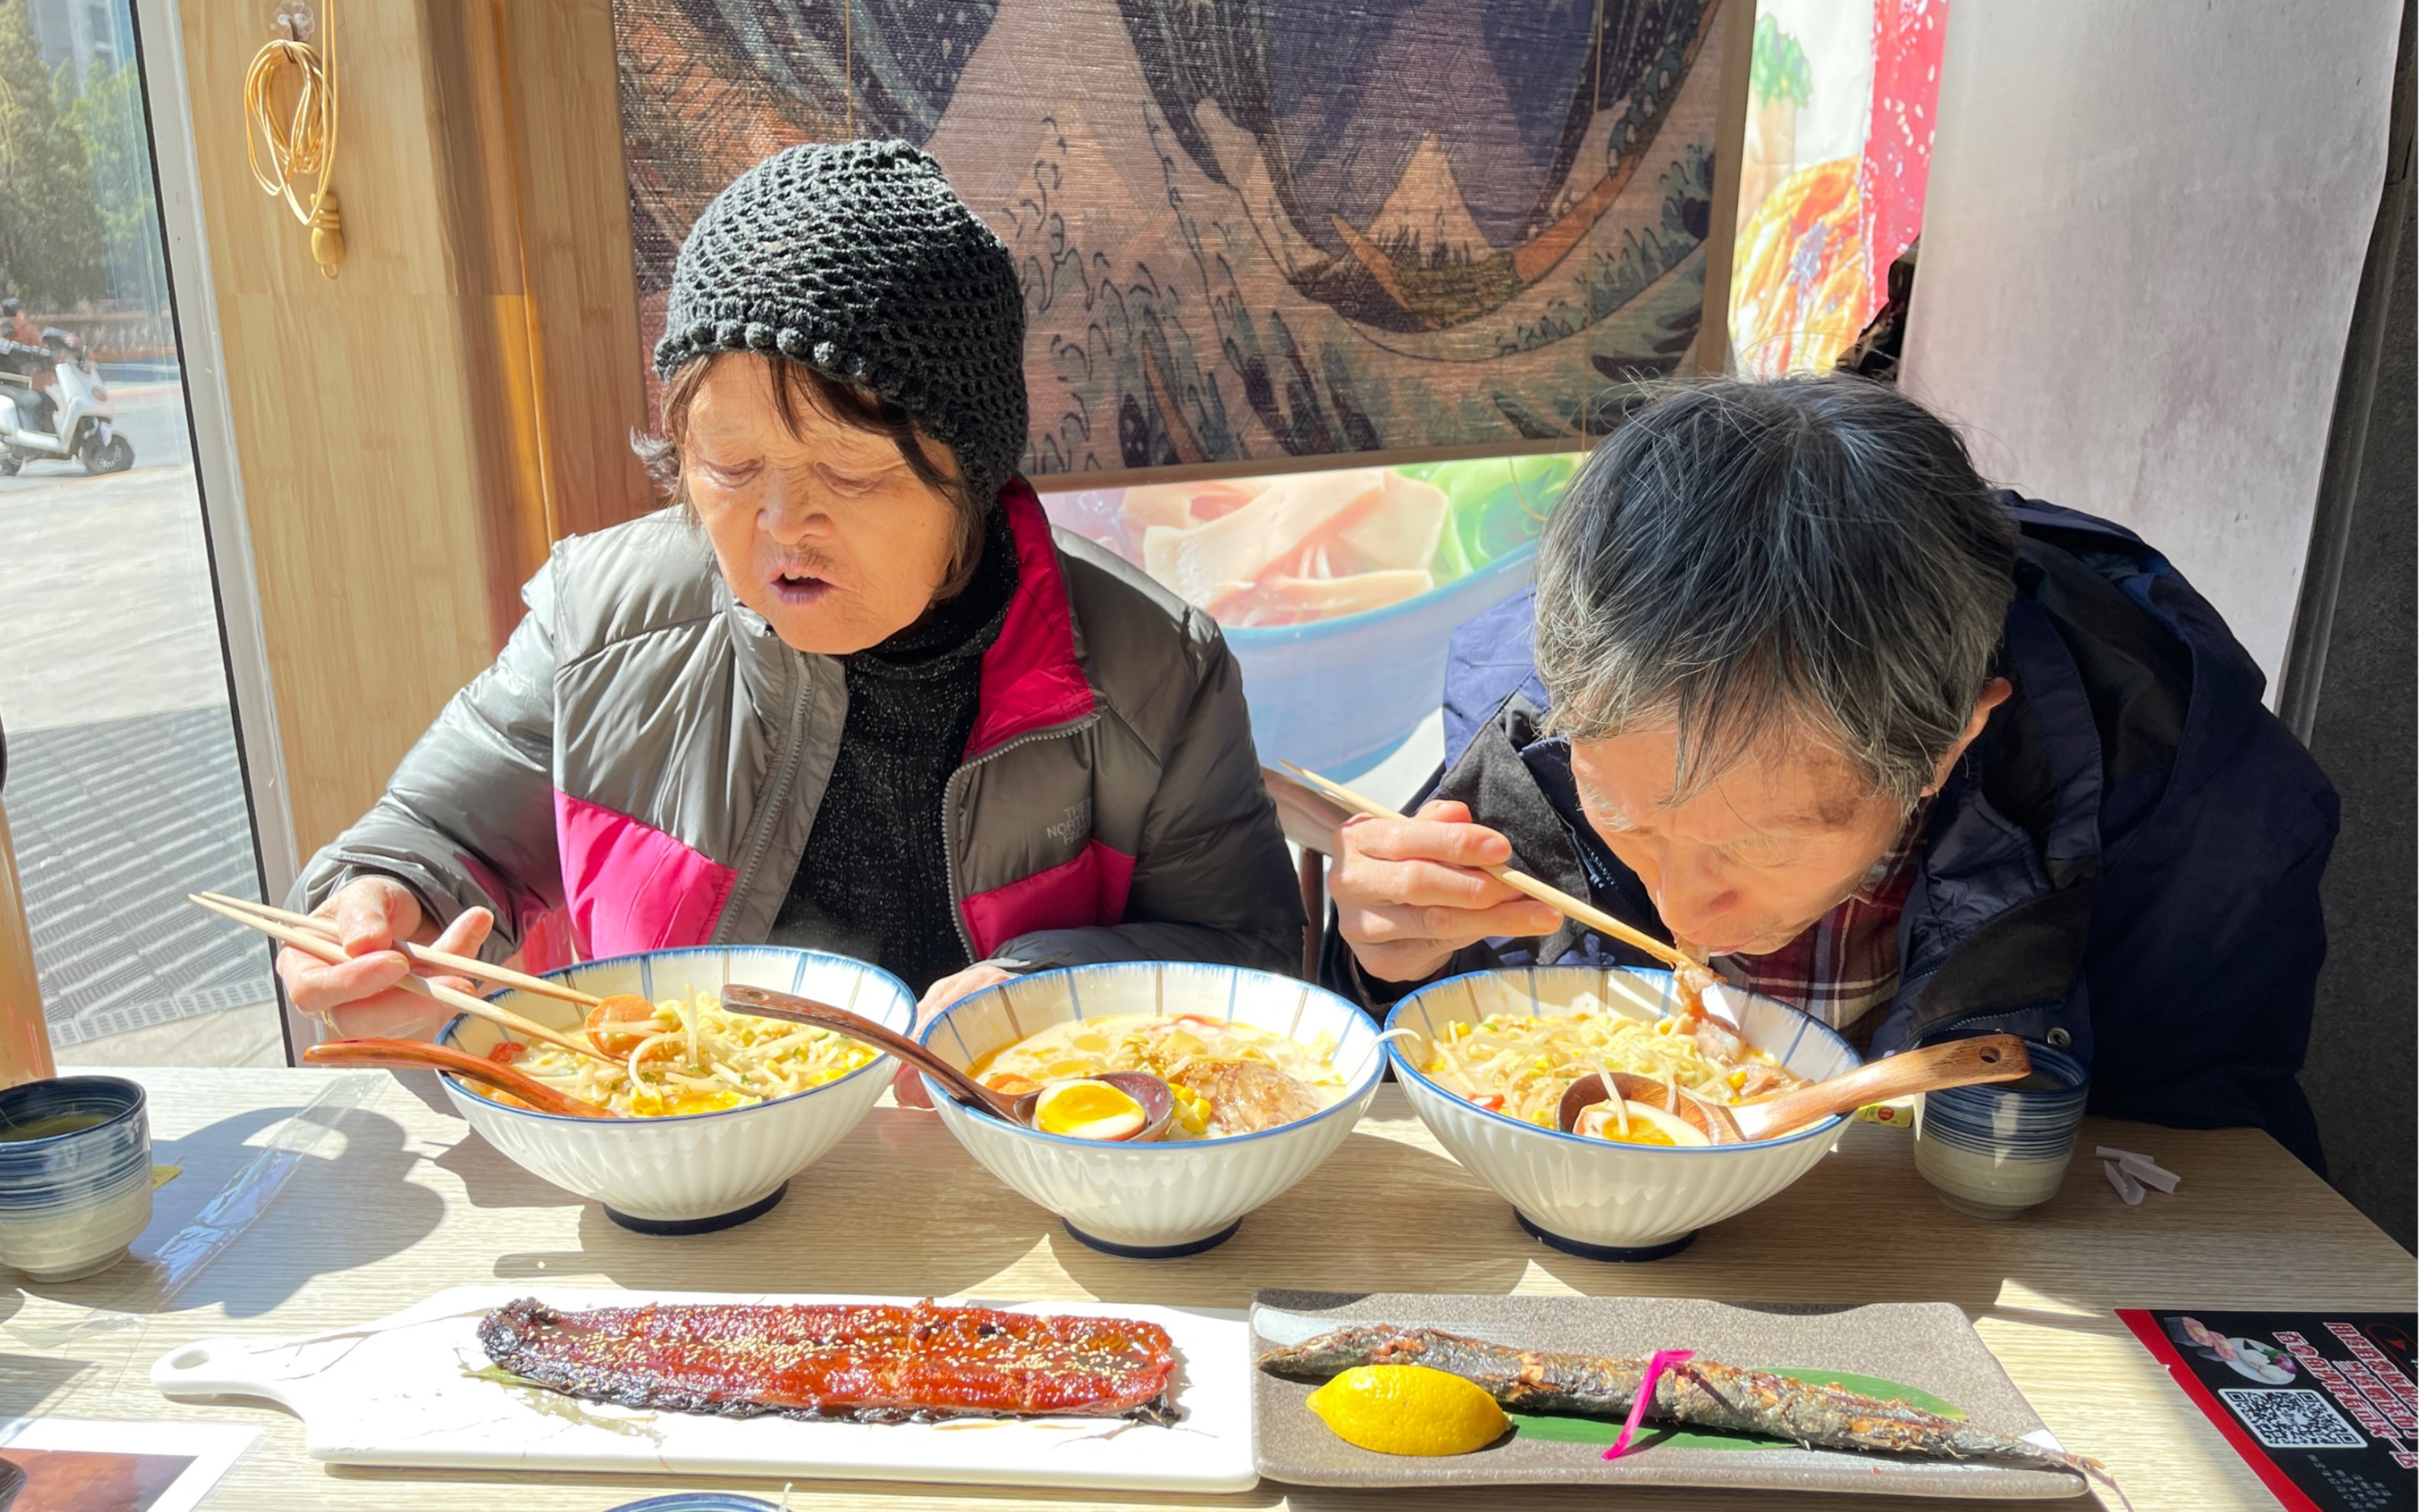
{"x":1798,"y":690}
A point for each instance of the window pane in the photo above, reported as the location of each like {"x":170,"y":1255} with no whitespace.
{"x":123,"y":789}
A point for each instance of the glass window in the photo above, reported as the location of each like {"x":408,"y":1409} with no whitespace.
{"x":124,"y":791}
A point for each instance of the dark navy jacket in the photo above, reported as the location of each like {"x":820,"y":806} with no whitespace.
{"x":2127,"y":861}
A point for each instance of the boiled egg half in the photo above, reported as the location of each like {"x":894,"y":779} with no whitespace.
{"x":1648,"y":1126}
{"x":1085,"y":1108}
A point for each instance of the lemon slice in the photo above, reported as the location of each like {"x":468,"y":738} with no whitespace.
{"x":1408,"y":1409}
{"x":1086,"y":1109}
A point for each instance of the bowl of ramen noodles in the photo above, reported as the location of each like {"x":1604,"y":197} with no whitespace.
{"x":716,"y":1110}
{"x":1269,"y":1075}
{"x":1490,"y":1055}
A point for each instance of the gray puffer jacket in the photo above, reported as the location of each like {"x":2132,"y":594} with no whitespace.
{"x":641,"y":765}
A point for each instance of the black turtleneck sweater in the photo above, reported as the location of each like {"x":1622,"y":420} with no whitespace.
{"x":873,"y":883}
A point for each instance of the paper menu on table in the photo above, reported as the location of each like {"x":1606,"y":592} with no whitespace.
{"x":2320,"y":1405}
{"x":55,"y":1464}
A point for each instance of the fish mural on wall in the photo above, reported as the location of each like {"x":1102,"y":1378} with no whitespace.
{"x":1253,"y":230}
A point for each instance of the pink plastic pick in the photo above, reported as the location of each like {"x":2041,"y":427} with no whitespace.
{"x":1661,"y":1361}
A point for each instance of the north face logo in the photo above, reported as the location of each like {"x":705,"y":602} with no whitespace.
{"x":1074,"y":822}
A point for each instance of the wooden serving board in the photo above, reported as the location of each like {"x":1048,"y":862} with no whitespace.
{"x":1929,"y":1348}
{"x":409,"y":1391}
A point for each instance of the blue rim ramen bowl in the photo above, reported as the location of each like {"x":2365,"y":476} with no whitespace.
{"x":1161,"y":1200}
{"x":691,"y":1172}
{"x":1593,"y":1197}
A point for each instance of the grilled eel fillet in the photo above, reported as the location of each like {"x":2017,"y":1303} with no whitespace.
{"x":1699,"y":1392}
{"x":873,"y":1362}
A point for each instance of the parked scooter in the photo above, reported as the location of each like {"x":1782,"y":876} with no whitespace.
{"x":82,"y":423}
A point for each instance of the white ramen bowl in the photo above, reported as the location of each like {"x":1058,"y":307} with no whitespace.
{"x":688,"y":1173}
{"x":1594,"y":1197}
{"x":1158,"y":1201}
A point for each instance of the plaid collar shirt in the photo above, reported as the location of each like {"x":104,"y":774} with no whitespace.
{"x":1845,"y":964}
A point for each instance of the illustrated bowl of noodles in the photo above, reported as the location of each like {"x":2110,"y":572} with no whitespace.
{"x":1269,"y":1073}
{"x":1490,"y":1055}
{"x":721,"y":1109}
{"x":1337,"y":591}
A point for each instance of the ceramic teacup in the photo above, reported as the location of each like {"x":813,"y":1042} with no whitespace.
{"x":75,"y":1175}
{"x":1993,"y":1151}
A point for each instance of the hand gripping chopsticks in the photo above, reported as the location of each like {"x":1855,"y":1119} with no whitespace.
{"x":460,"y":965}
{"x":1553,"y":897}
{"x":312,"y":943}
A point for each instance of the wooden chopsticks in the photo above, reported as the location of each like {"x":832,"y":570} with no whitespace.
{"x":421,"y":954}
{"x":311,"y":942}
{"x":1553,"y":897}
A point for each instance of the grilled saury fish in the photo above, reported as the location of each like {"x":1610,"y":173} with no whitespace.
{"x":1699,"y":1393}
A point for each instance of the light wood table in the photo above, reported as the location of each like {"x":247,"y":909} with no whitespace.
{"x":412,"y":1203}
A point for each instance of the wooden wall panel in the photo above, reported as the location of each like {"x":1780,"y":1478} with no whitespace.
{"x":379,"y":514}
{"x":564,"y":100}
{"x":24,"y":1034}
{"x":477,"y":185}
{"x":1713,"y":354}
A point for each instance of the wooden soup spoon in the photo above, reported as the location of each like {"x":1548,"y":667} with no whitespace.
{"x":1989,"y":1058}
{"x":419,"y":1055}
{"x":1150,"y":1093}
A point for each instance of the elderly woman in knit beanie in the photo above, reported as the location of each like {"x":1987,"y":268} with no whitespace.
{"x":851,"y":692}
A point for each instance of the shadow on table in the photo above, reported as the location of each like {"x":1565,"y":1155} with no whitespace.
{"x":1378,"y":1215}
{"x":899,"y":1207}
{"x":422,"y":1085}
{"x":347,"y":1204}
{"x":614,"y":1490}
{"x":491,"y":1180}
{"x":1863,"y":1227}
{"x":28,"y":1382}
{"x":896,"y":1209}
{"x":1775,"y":1254}
{"x":1595,"y":1499}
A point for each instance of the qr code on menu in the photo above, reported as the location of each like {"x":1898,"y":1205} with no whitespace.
{"x":2294,"y":1420}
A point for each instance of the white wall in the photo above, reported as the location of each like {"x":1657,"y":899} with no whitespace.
{"x":2141,"y":239}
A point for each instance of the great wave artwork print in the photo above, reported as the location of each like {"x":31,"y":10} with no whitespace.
{"x":1249,"y":230}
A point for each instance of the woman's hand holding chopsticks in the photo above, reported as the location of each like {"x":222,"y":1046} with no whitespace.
{"x":361,"y":995}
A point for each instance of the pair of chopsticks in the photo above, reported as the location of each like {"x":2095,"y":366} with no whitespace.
{"x":1553,"y":897}
{"x":318,"y":937}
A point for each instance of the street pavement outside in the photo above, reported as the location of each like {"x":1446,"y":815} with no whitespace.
{"x":123,"y":788}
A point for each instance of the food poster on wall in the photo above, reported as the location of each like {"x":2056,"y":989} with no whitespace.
{"x":1262,"y":229}
{"x":1338,"y":590}
{"x":2321,"y":1405}
{"x":1833,"y":164}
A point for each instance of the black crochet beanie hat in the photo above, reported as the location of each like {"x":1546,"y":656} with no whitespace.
{"x":857,"y":259}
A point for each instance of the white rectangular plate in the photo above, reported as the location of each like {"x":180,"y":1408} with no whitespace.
{"x":405,"y":1391}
